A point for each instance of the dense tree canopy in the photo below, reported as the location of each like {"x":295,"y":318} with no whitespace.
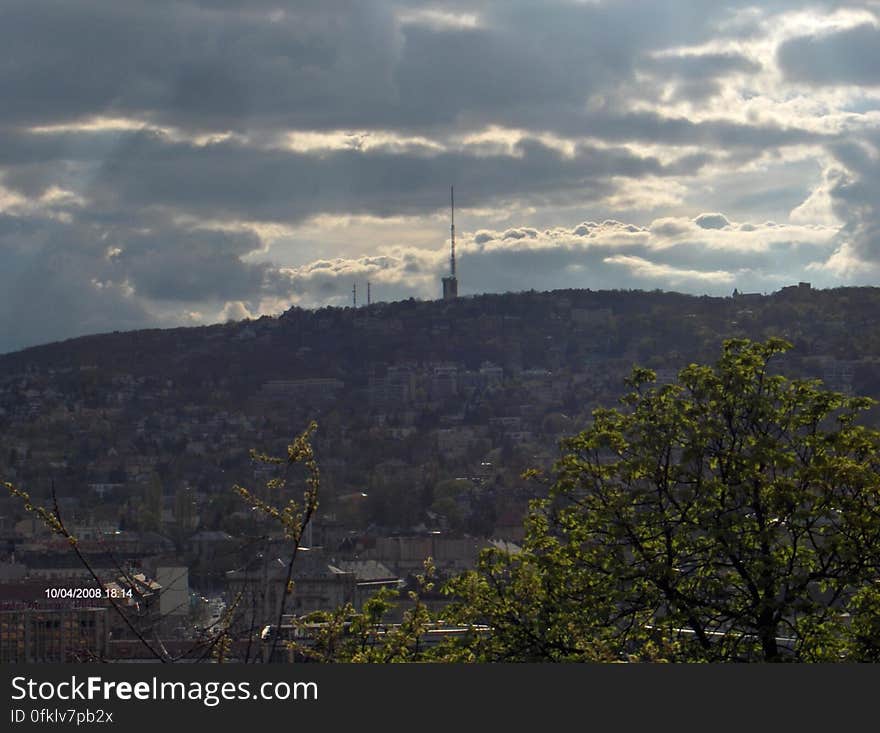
{"x":731,"y":515}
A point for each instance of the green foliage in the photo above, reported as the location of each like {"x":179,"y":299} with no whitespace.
{"x":732,"y":515}
{"x":294,"y":515}
{"x":368,"y":635}
{"x":49,"y":517}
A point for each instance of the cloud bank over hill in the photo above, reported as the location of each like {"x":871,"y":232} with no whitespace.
{"x":166,"y":163}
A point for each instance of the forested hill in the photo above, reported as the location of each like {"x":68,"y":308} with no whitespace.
{"x":427,"y":411}
{"x":530,"y":330}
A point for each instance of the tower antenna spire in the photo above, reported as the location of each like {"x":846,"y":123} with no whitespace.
{"x":450,"y":282}
{"x":452,"y":231}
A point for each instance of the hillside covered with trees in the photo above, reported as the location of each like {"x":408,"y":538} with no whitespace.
{"x":429,"y":409}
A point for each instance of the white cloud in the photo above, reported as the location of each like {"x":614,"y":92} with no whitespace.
{"x":818,"y":207}
{"x":712,"y":221}
{"x":438,"y":19}
{"x":846,"y":265}
{"x":610,"y":253}
{"x":668,"y":275}
{"x":235,"y":311}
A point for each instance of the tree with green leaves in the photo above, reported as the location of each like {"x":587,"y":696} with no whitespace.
{"x":732,"y":515}
{"x":292,"y":515}
{"x":366,"y":635}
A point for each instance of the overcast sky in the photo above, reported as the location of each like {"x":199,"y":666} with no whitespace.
{"x":184,"y":162}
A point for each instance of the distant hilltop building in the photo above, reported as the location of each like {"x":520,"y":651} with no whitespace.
{"x":800,"y":288}
{"x":450,"y":283}
{"x":746,"y":297}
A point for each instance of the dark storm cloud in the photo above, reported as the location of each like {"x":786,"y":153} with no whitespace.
{"x":190,"y":266}
{"x":699,"y":76}
{"x":310,"y":65}
{"x":701,"y":66}
{"x":229,"y":180}
{"x":31,"y":163}
{"x":652,"y":127}
{"x":66,"y":278}
{"x":140,"y":172}
{"x":190,"y":66}
{"x":850,"y":56}
{"x":535,"y":65}
{"x":507,"y":73}
{"x":52,"y":286}
{"x":332,"y":64}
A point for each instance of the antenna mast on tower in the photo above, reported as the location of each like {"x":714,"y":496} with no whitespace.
{"x":450,"y":283}
{"x":452,"y":231}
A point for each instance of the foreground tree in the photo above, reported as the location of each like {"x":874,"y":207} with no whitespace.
{"x":733,"y":515}
{"x":292,"y":516}
{"x":366,"y":635}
